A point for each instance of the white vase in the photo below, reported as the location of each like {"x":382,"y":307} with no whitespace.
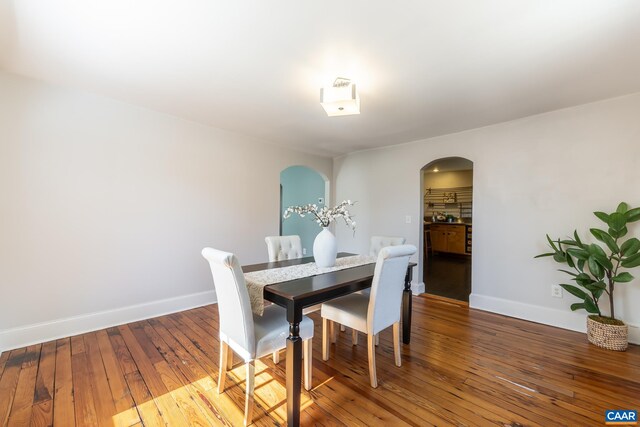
{"x":325,"y":249}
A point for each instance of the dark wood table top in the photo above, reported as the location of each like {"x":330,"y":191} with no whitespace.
{"x":315,"y":289}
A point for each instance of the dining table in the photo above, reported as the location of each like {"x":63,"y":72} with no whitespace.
{"x":295,"y":295}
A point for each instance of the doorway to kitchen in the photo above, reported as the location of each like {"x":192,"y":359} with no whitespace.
{"x":447,"y":192}
{"x":300,"y":185}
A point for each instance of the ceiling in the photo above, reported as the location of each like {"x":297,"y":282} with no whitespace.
{"x":423,"y":68}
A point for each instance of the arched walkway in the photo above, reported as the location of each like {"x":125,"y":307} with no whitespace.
{"x":447,"y":228}
{"x":301,"y":185}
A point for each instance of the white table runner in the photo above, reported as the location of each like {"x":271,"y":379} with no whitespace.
{"x":257,"y":280}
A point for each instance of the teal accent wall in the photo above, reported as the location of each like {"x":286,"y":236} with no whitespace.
{"x":300,"y":186}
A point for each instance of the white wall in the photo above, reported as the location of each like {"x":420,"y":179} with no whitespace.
{"x":104,"y":208}
{"x":541,"y":174}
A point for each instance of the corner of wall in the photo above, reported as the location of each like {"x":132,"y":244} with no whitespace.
{"x":417,"y":288}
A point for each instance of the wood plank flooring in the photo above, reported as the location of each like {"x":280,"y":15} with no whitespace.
{"x":463,"y":367}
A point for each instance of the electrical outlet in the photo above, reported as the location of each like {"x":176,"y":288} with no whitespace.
{"x":556,"y":291}
{"x":304,"y":251}
{"x":407,"y":219}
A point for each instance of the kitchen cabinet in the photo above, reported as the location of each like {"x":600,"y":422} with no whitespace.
{"x":451,"y":238}
{"x":438,"y":238}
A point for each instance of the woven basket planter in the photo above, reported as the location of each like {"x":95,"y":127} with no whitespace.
{"x":611,"y":337}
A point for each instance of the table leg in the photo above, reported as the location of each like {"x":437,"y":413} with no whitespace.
{"x":406,"y":307}
{"x":294,"y":368}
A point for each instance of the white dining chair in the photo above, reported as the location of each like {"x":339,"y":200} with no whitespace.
{"x":379,"y":242}
{"x":373,"y":313}
{"x":249,"y":336}
{"x":281,"y":248}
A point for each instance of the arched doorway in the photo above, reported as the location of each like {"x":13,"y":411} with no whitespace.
{"x":447,"y":211}
{"x":300,"y":185}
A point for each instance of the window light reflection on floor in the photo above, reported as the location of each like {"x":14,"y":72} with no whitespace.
{"x":269,"y":394}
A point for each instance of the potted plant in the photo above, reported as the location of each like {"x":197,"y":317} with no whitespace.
{"x":596,"y":270}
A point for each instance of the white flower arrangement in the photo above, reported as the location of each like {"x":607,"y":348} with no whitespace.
{"x":324,"y":216}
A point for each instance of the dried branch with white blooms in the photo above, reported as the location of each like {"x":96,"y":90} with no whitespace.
{"x":324,"y":216}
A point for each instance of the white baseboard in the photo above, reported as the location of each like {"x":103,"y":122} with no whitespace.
{"x":575,"y":321}
{"x":61,"y":328}
{"x":417,"y":288}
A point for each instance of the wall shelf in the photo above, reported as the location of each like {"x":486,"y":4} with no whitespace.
{"x":456,"y":201}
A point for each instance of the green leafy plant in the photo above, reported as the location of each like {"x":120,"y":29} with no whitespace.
{"x":597,"y":269}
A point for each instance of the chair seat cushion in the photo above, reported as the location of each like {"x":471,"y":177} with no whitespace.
{"x":349,"y":310}
{"x":272,"y":330}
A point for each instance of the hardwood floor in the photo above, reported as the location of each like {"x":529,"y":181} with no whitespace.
{"x":448,"y":276}
{"x":463,"y":367}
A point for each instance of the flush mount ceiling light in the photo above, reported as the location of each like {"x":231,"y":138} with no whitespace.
{"x":341,"y":99}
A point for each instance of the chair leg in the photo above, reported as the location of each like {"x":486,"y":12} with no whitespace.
{"x":230,"y":360}
{"x":343,"y":328}
{"x":333,"y":331}
{"x":248,"y":400}
{"x":325,"y":339}
{"x":372,"y":360}
{"x":222,"y":374}
{"x":276,"y":357}
{"x":378,"y":338}
{"x":396,"y":343}
{"x":354,"y":337}
{"x":307,"y":349}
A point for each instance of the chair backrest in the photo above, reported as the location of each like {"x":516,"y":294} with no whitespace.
{"x":386,"y":290}
{"x":379,"y":242}
{"x":234,"y":306}
{"x":282,"y":248}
